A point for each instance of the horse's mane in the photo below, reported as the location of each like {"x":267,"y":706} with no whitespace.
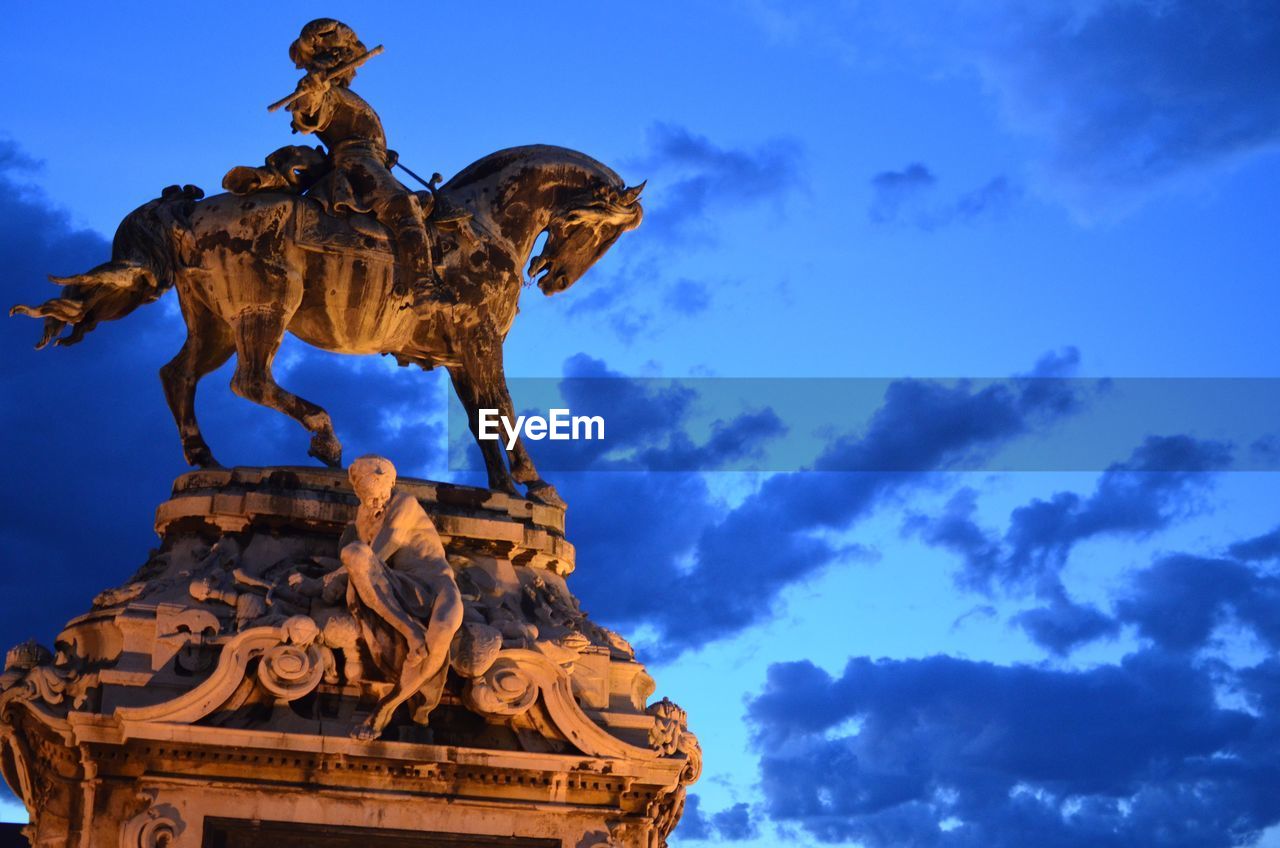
{"x":570,"y":162}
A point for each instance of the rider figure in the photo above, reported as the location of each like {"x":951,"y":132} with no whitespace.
{"x":353,"y":134}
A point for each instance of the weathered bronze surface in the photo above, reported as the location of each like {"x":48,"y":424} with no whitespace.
{"x":324,"y":243}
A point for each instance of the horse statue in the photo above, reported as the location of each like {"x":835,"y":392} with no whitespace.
{"x":253,"y":265}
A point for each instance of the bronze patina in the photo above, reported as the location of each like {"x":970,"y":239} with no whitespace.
{"x":326,"y":244}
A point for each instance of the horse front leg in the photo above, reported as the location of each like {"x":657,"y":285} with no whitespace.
{"x":473,"y":400}
{"x":523,"y":471}
{"x":258,"y":332}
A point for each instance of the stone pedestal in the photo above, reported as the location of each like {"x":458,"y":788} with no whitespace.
{"x":209,"y":701}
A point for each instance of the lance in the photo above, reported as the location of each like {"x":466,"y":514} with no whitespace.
{"x":325,"y":76}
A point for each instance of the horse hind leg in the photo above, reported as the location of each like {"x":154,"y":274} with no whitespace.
{"x":208,"y":346}
{"x":258,"y":333}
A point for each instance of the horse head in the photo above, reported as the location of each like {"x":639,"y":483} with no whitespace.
{"x":581,"y":233}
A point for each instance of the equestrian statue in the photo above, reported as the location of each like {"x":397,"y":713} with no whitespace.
{"x":326,"y":243}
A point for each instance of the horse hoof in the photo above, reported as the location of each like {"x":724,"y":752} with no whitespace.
{"x":506,"y":487}
{"x":326,"y":449}
{"x":544,"y":493}
{"x":201,"y":457}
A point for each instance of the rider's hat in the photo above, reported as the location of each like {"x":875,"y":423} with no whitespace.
{"x":324,"y":44}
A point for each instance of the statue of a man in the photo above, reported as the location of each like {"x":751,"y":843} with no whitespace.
{"x":352,"y":132}
{"x":400,"y":589}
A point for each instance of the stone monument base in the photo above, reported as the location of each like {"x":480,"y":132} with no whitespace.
{"x":210,"y":700}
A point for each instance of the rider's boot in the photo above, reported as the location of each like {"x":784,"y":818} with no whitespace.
{"x":413,"y":248}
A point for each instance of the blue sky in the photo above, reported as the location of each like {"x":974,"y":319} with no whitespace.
{"x":857,"y":189}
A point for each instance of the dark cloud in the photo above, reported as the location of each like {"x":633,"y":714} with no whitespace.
{"x":1266,"y":451}
{"x":596,"y":301}
{"x":774,"y":537}
{"x":993,"y":197}
{"x":1161,"y":481}
{"x":733,"y":824}
{"x":741,"y":438}
{"x":14,"y":161}
{"x":1177,"y":602}
{"x":952,"y":753}
{"x":1063,"y":625}
{"x":1120,"y":94}
{"x":1181,"y":599}
{"x":980,"y":611}
{"x":693,"y":178}
{"x":956,"y":530}
{"x":910,"y":196}
{"x":891,"y":190}
{"x":1129,"y":93}
{"x":1048,"y":383}
{"x":648,"y":422}
{"x":1259,"y":548}
{"x":957,"y":754}
{"x":688,"y":297}
{"x":693,"y":181}
{"x":614,"y":302}
{"x":376,"y":407}
{"x":911,"y":178}
{"x":693,"y":824}
{"x":79,"y":425}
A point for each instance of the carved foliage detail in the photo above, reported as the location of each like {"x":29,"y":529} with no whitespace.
{"x":671,"y":737}
{"x":33,"y":674}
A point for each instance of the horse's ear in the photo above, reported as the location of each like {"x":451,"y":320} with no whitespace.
{"x":632,"y":194}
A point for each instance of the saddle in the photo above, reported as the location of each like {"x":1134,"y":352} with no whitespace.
{"x":307,"y":172}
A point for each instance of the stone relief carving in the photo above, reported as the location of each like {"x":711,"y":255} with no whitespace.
{"x":35,"y":676}
{"x":383,"y":611}
{"x":159,"y":825}
{"x":670,"y":736}
{"x":33,"y":672}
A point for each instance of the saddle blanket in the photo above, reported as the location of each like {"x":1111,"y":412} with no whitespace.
{"x":315,"y":229}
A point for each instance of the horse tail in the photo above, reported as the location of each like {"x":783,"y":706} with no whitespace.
{"x":144,"y":258}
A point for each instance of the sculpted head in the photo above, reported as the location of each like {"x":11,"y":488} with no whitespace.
{"x":373,"y":477}
{"x":576,"y":239}
{"x":324,"y":44}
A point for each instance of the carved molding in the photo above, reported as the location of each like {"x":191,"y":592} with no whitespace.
{"x":504,"y":689}
{"x":160,"y":825}
{"x":517,"y":671}
{"x":294,"y":672}
{"x":15,"y":755}
{"x":292,"y":665}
